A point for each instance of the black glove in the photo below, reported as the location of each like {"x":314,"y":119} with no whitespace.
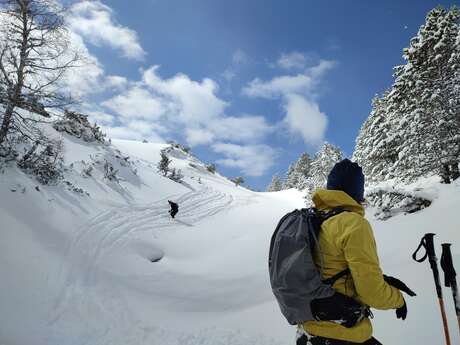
{"x":401,"y":312}
{"x":399,"y":285}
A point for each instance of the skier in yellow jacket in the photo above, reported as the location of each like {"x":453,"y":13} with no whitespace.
{"x":347,"y":241}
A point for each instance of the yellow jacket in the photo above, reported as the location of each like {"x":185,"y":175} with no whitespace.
{"x":347,"y":240}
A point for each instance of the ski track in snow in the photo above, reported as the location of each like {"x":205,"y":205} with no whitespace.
{"x":109,"y":231}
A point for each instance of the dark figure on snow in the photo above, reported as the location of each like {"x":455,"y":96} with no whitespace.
{"x":347,"y":240}
{"x":174,"y":208}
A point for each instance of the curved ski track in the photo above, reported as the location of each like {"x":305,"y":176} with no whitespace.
{"x":112,"y":230}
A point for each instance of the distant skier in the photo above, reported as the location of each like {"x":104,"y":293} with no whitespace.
{"x":174,"y":208}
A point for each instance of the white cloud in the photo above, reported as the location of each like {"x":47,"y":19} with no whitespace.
{"x":252,"y":160}
{"x":297,"y":93}
{"x":293,"y":60}
{"x":123,"y":132}
{"x":94,"y":21}
{"x":116,"y":82}
{"x":136,"y":103}
{"x":100,"y":117}
{"x":229,"y":74}
{"x":241,"y":129}
{"x":302,"y":83}
{"x":197,"y":101}
{"x":279,"y":86}
{"x":188,"y":106}
{"x":239,"y":57}
{"x":89,"y":75}
{"x":199,"y":136}
{"x":193,"y":110}
{"x":304,"y":117}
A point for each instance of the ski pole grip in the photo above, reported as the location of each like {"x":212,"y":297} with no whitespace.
{"x":447,"y":265}
{"x":427,"y":243}
{"x":430,"y":245}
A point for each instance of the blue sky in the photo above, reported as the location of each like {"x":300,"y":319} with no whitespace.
{"x":248,"y":84}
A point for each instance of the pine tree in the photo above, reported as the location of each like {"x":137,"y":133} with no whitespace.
{"x":323,"y":161}
{"x":275,"y":185}
{"x":431,"y":128}
{"x":238,"y":180}
{"x":376,"y":150}
{"x":163,"y":164}
{"x":414,"y":129}
{"x":302,"y":168}
{"x":291,"y":178}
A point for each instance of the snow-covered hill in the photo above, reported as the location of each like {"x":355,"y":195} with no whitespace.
{"x":95,"y":261}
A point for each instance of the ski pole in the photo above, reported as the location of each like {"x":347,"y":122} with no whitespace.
{"x":449,"y":276}
{"x":427,"y":243}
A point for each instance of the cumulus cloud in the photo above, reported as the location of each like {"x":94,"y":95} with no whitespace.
{"x":196,"y":101}
{"x":124,"y":132}
{"x":297,"y":94}
{"x":240,"y":57}
{"x":199,"y":136}
{"x":94,"y":21}
{"x":302,"y":83}
{"x":304,"y":117}
{"x":252,"y":160}
{"x":246,"y":128}
{"x":229,"y":74}
{"x":293,"y":60}
{"x":136,"y":103}
{"x":189,"y":107}
{"x":101,"y":117}
{"x":278,"y":86}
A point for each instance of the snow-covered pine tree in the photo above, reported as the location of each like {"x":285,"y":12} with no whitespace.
{"x":376,"y":149}
{"x":428,"y":124}
{"x":323,"y":161}
{"x":163,"y":164}
{"x":414,"y":128}
{"x":302,"y":168}
{"x":275,"y":185}
{"x":291,"y":178}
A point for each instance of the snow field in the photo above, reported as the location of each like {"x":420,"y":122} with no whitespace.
{"x":114,"y":268}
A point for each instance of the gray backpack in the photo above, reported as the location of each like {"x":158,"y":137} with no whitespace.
{"x":296,"y":281}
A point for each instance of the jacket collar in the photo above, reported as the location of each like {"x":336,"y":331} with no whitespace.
{"x":329,"y":199}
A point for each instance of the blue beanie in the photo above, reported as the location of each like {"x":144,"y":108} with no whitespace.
{"x":347,"y":176}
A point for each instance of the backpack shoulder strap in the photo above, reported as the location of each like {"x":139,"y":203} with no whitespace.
{"x":333,"y":279}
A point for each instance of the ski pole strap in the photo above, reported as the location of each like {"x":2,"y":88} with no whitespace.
{"x":427,"y":244}
{"x":447,"y":265}
{"x":333,"y":279}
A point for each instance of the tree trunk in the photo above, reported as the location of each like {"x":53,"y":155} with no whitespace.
{"x":454,"y":171}
{"x":445,"y":173}
{"x":6,"y":122}
{"x":13,"y":99}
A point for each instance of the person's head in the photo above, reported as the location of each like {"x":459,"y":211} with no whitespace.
{"x":347,"y":176}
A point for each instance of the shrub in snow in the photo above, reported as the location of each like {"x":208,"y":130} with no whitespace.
{"x":110,"y":172}
{"x":211,"y":168}
{"x":45,"y":162}
{"x":392,"y":202}
{"x":175,"y":145}
{"x":238,"y":180}
{"x":78,"y":126}
{"x":176,"y":175}
{"x":87,"y":171}
{"x":71,"y":187}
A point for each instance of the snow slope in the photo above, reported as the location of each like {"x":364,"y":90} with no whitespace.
{"x":113,"y":268}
